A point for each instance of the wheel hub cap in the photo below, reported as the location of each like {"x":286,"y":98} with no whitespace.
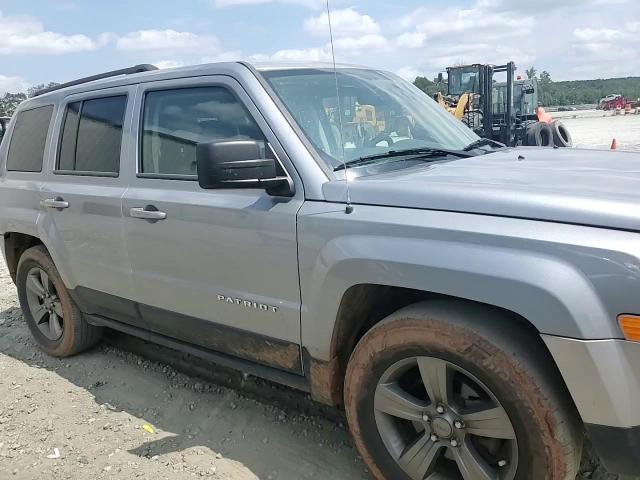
{"x":442,"y":428}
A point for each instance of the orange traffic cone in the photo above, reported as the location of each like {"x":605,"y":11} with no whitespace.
{"x":614,"y":145}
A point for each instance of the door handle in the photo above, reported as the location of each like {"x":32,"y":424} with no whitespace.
{"x":148,"y":213}
{"x":57,"y":202}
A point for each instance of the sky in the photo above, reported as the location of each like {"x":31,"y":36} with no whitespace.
{"x":59,"y":40}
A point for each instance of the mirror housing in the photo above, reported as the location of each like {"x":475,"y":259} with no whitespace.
{"x":238,"y":164}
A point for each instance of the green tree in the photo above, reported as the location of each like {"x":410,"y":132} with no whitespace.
{"x":531,"y":72}
{"x":545,"y":78}
{"x":427,"y":86}
{"x":9,"y":102}
{"x":547,"y":92}
{"x":31,"y":91}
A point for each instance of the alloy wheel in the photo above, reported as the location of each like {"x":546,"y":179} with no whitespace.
{"x":439,"y":422}
{"x":44,"y":304}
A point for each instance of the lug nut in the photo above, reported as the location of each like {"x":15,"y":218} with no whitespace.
{"x":425,"y":417}
{"x":454,"y":443}
{"x":502,"y":463}
{"x":458,"y":424}
{"x":440,"y":409}
{"x":434,"y":437}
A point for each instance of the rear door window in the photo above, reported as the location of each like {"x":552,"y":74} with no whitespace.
{"x":92,"y":136}
{"x":27,"y":143}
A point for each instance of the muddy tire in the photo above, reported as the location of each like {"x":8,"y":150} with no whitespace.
{"x":53,"y":318}
{"x":443,"y":387}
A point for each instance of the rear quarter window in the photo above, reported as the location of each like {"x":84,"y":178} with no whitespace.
{"x":28,"y":140}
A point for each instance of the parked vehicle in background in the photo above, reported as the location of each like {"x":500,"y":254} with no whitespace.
{"x":474,"y":308}
{"x":617,"y":102}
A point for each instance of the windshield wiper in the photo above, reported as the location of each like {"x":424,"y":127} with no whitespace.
{"x":482,"y":142}
{"x":420,"y":152}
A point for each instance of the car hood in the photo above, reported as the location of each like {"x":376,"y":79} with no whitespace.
{"x":588,"y":187}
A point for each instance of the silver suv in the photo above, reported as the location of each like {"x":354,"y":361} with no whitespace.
{"x":473,"y":308}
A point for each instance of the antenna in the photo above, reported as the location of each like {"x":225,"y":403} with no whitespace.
{"x":349,"y":207}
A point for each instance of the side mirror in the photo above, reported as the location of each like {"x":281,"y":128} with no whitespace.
{"x":239,"y":164}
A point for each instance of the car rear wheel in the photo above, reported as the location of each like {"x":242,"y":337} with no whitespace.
{"x":434,"y":392}
{"x":54,"y":320}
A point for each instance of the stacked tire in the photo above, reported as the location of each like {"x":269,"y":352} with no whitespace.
{"x":561,"y":135}
{"x":540,"y":134}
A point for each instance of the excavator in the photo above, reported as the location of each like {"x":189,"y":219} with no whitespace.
{"x":507,"y":112}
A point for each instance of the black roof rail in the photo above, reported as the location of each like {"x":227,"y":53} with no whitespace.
{"x":145,"y":67}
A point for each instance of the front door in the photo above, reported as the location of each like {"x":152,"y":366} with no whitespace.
{"x":217,"y":268}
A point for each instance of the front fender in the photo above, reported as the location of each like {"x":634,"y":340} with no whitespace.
{"x":523,"y":266}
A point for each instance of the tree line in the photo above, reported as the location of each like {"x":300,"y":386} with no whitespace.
{"x":10,"y":101}
{"x":552,"y":93}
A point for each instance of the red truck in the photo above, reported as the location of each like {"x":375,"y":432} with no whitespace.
{"x":614,"y":102}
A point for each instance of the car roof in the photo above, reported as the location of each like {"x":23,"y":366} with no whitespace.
{"x":220,"y":68}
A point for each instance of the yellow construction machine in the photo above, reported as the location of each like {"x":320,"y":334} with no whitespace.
{"x":457,"y":107}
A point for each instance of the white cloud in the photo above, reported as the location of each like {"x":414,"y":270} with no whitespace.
{"x":232,"y":56}
{"x":600,"y":34}
{"x":360,"y":44}
{"x":411,"y":39}
{"x":169,"y":63}
{"x":546,"y":5}
{"x":408,"y":73}
{"x":475,"y":22}
{"x":166,"y":40}
{"x":315,"y":54}
{"x":237,"y":3}
{"x":344,"y":22}
{"x":13,"y":84}
{"x":354,"y":34}
{"x":21,"y":34}
{"x":605,"y":52}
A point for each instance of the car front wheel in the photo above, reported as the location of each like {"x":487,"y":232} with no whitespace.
{"x":450,"y":391}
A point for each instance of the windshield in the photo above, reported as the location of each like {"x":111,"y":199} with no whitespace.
{"x":380,"y":113}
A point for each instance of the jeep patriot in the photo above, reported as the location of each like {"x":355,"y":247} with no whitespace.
{"x":474,"y":309}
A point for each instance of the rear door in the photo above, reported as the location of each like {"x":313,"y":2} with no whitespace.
{"x":217,"y":268}
{"x":82,"y":199}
